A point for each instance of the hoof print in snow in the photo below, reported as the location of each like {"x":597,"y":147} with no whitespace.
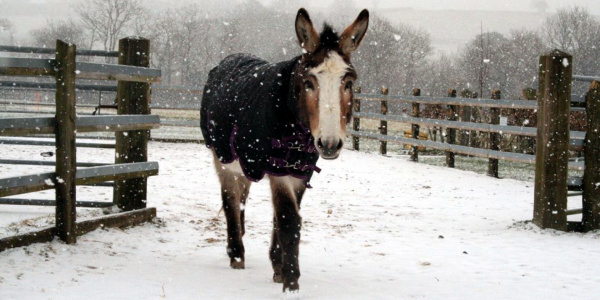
{"x":465,"y":252}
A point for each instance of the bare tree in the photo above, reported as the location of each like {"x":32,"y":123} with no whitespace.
{"x":141,"y":23}
{"x":196,"y":51}
{"x":6,"y":26}
{"x":414,"y":48}
{"x":393,"y":56}
{"x":480,"y":61}
{"x":519,"y":65}
{"x":67,"y":30}
{"x":575,"y":30}
{"x":186,"y":44}
{"x":109,"y":20}
{"x":494,"y":61}
{"x":162,"y":46}
{"x":442,"y":74}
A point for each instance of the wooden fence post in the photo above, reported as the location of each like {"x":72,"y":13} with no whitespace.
{"x":551,"y":163}
{"x":133,"y":98}
{"x":465,"y":116}
{"x":66,"y":158}
{"x":528,"y":143}
{"x":383,"y":124}
{"x":414,"y":156}
{"x":494,"y":136}
{"x":591,"y":175}
{"x":356,"y":121}
{"x":451,"y":132}
{"x":475,"y":141}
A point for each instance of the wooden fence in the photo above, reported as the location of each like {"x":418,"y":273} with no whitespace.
{"x":554,"y":139}
{"x":132,"y":124}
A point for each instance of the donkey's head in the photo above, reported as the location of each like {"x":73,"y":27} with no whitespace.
{"x":324,"y":80}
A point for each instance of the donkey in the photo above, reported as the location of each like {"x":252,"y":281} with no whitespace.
{"x":276,"y":119}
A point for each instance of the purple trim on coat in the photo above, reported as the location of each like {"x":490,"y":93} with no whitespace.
{"x":272,"y":161}
{"x":208,"y":127}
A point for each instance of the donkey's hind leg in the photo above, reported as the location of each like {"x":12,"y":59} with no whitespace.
{"x":244,"y":187}
{"x":234,"y":190}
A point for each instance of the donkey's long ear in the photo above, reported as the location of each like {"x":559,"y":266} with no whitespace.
{"x":353,"y":35}
{"x":307,"y":35}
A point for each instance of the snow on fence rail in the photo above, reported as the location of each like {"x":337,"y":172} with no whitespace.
{"x":13,"y":66}
{"x":163,"y":93}
{"x":36,"y":50}
{"x":585,"y":78}
{"x":554,"y":139}
{"x":452,"y":123}
{"x":132,"y":124}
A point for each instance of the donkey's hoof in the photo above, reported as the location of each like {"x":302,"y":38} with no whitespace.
{"x":277,"y":278}
{"x":237,"y":263}
{"x":290,"y":286}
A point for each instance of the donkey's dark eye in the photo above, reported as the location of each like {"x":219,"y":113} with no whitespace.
{"x":348,"y":85}
{"x":309,"y":85}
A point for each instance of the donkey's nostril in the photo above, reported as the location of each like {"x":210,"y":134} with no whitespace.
{"x":329,"y":148}
{"x":320,"y":143}
{"x":340,"y":145}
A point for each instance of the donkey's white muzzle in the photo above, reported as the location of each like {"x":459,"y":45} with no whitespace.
{"x":329,"y":148}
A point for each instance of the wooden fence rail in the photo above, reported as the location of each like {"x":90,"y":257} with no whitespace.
{"x":12,"y":84}
{"x":129,"y":176}
{"x":585,"y":78}
{"x":12,"y":66}
{"x":36,"y":50}
{"x":461,"y":102}
{"x":554,"y":138}
{"x":576,"y":141}
{"x":47,"y":125}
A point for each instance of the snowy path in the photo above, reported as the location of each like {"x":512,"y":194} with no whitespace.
{"x":374,"y":228}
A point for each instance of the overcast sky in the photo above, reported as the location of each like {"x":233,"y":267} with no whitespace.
{"x":30,"y":14}
{"x":503,"y":5}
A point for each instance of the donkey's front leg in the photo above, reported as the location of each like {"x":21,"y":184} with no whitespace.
{"x":275,"y":254}
{"x":286,"y":193}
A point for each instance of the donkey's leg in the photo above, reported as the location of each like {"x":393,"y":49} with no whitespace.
{"x":244,"y":188}
{"x":231,"y":195}
{"x":276,"y":252}
{"x":235,"y":246}
{"x":286,"y":234}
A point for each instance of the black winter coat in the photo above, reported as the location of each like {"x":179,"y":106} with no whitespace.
{"x":249,"y":112}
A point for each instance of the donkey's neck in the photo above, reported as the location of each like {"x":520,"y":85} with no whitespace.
{"x":293,"y":97}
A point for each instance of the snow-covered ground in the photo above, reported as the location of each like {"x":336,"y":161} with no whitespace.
{"x":374,"y":228}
